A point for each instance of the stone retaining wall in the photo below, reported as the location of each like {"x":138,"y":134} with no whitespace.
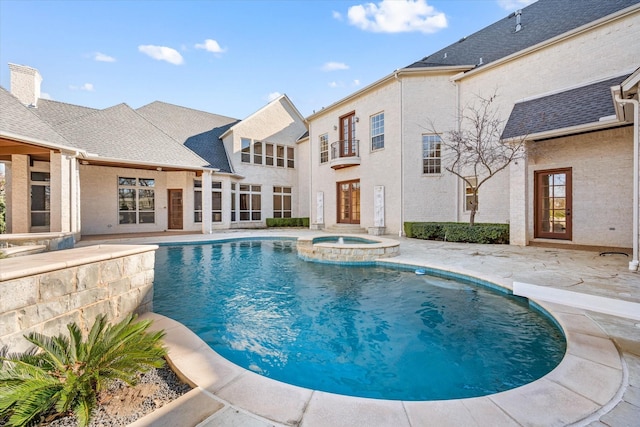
{"x":44,"y":292}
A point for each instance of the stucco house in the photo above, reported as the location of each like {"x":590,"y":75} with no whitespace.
{"x":566,"y":78}
{"x":156,"y":168}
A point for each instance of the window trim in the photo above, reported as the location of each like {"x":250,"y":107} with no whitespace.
{"x":372,"y":128}
{"x":281,"y":193}
{"x":253,"y":193}
{"x":438,"y":164}
{"x":324,"y":153}
{"x":137,"y":189}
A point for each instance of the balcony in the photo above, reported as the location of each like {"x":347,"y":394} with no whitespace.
{"x":345,"y":154}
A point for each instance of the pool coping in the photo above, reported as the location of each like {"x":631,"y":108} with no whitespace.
{"x":588,"y":382}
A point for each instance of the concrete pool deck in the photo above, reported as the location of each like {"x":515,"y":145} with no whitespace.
{"x":596,"y":384}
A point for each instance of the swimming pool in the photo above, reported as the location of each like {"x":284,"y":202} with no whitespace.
{"x":363,"y":331}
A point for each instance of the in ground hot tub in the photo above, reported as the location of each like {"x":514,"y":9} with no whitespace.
{"x":346,"y":249}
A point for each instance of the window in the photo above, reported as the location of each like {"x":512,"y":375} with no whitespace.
{"x":290,"y":159}
{"x":280,"y":155}
{"x":377,"y":131}
{"x":269,"y":154}
{"x":233,"y":202}
{"x":257,"y":153}
{"x":216,"y":201}
{"x":40,"y":199}
{"x":468,"y":192}
{"x":250,"y":202}
{"x":431,"y":154}
{"x":136,"y":200}
{"x":282,"y":202}
{"x":245,"y":155}
{"x":197,"y":200}
{"x":324,"y":148}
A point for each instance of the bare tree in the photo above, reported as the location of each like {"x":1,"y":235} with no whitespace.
{"x":475,"y":152}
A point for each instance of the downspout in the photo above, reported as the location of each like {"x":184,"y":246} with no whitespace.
{"x":402,"y":169}
{"x":634,"y":263}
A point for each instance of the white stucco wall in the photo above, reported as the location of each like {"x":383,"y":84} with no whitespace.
{"x":377,"y":168}
{"x":602,"y":181}
{"x":277,"y":123}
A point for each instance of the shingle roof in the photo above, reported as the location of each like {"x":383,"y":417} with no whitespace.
{"x":19,"y":120}
{"x":574,"y":107}
{"x":540,"y":21}
{"x":54,"y":112}
{"x":199,"y":131}
{"x":119,"y":132}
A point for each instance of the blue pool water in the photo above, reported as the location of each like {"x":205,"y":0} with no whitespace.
{"x":362,"y":331}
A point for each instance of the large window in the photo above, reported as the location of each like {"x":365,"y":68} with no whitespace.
{"x":136,"y":200}
{"x":257,"y":153}
{"x":290,"y":160}
{"x":269,"y":154}
{"x":197,"y":200}
{"x":234,"y":218}
{"x":377,"y":131}
{"x":280,"y":155}
{"x":324,"y":148}
{"x":282,"y":202}
{"x":40,"y":200}
{"x":216,"y":201}
{"x":431,"y":154}
{"x":468,"y":192}
{"x":250,"y":202}
{"x":245,"y":155}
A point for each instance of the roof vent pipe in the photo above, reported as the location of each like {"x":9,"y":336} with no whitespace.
{"x":518,"y":25}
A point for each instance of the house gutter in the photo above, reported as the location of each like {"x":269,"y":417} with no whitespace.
{"x":402,"y":168}
{"x":635,"y":262}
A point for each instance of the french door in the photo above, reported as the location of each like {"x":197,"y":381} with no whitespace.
{"x":553,"y":204}
{"x":349,"y":202}
{"x":348,"y":143}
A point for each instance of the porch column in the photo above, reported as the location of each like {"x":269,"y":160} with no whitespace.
{"x":518,"y":206}
{"x":206,"y":203}
{"x":61,"y":183}
{"x":18,"y":213}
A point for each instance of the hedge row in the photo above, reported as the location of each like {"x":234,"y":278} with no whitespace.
{"x":288,"y":222}
{"x":458,"y":232}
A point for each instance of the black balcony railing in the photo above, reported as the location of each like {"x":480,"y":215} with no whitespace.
{"x":340,"y":149}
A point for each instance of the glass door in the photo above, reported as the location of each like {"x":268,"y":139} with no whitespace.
{"x":348,"y":142}
{"x":349,"y":202}
{"x":553,"y":204}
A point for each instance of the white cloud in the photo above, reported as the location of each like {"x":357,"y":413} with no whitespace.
{"x":514,"y":4}
{"x":210,"y":45}
{"x":336,"y":15}
{"x":101,"y":57}
{"x":162,"y":53}
{"x":335,"y":84}
{"x":45,"y":95}
{"x":87,"y":87}
{"x":333,"y":66}
{"x":273,"y":96}
{"x":356,"y":82}
{"x":397,"y":16}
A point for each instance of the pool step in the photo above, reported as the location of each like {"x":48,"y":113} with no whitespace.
{"x":346,"y":229}
{"x":16,"y":251}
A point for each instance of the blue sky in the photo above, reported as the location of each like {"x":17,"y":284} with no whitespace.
{"x":227,"y":57}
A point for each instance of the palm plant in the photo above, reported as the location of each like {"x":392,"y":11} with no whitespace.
{"x":65,"y":374}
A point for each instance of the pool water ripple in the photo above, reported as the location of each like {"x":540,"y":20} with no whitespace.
{"x":362,"y":331}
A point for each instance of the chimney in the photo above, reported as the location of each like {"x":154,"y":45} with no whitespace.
{"x":25,"y":84}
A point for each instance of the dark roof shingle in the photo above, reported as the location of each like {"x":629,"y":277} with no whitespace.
{"x":199,"y":131}
{"x":540,"y":21}
{"x":574,"y":107}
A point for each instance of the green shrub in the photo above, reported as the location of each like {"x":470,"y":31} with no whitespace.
{"x":458,"y":232}
{"x":63,"y":375}
{"x":288,"y":222}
